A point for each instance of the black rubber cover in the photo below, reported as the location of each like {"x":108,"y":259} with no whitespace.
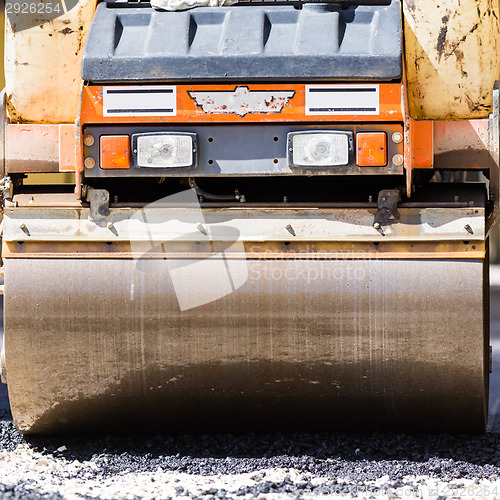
{"x":315,"y":42}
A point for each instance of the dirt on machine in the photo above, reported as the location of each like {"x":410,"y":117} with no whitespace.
{"x":276,"y":217}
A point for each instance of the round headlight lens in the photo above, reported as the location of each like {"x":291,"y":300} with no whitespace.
{"x":320,"y":149}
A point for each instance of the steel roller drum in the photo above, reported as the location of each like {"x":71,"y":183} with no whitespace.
{"x":302,"y":344}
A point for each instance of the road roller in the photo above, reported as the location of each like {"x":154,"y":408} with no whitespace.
{"x":268,"y":215}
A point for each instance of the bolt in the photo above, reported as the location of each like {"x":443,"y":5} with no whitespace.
{"x":88,"y":140}
{"x":468,"y":229}
{"x":397,"y":160}
{"x":23,"y":226}
{"x":376,"y":225}
{"x":397,"y":137}
{"x":285,"y":199}
{"x":290,"y":229}
{"x":110,"y":226}
{"x":201,"y":229}
{"x":456,"y":199}
{"x":89,"y":162}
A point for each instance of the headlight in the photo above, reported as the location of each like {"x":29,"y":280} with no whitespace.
{"x":319,"y":149}
{"x":165,"y":150}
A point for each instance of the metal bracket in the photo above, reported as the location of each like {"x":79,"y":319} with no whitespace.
{"x":6,"y":191}
{"x":99,"y":203}
{"x":203,"y":195}
{"x":494,"y":149}
{"x":387,"y":204}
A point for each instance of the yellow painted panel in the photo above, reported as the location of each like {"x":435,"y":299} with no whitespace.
{"x":54,"y":178}
{"x":43,"y":53}
{"x":2,"y":26}
{"x":452,"y":57}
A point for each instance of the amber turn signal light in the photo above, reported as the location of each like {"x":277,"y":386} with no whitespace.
{"x":371,"y":149}
{"x":115,"y":151}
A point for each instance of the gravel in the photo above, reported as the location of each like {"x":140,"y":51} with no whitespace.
{"x":218,"y":466}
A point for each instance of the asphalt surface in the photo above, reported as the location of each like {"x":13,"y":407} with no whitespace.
{"x":367,"y":465}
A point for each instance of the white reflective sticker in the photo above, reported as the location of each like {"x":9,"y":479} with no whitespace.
{"x":342,"y":100}
{"x":158,"y":100}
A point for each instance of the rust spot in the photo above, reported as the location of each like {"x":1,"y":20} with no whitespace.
{"x":474,"y":106}
{"x":411,"y":4}
{"x":454,"y":47}
{"x":474,"y":28}
{"x":66,"y":31}
{"x":441,"y":42}
{"x":459,"y":55}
